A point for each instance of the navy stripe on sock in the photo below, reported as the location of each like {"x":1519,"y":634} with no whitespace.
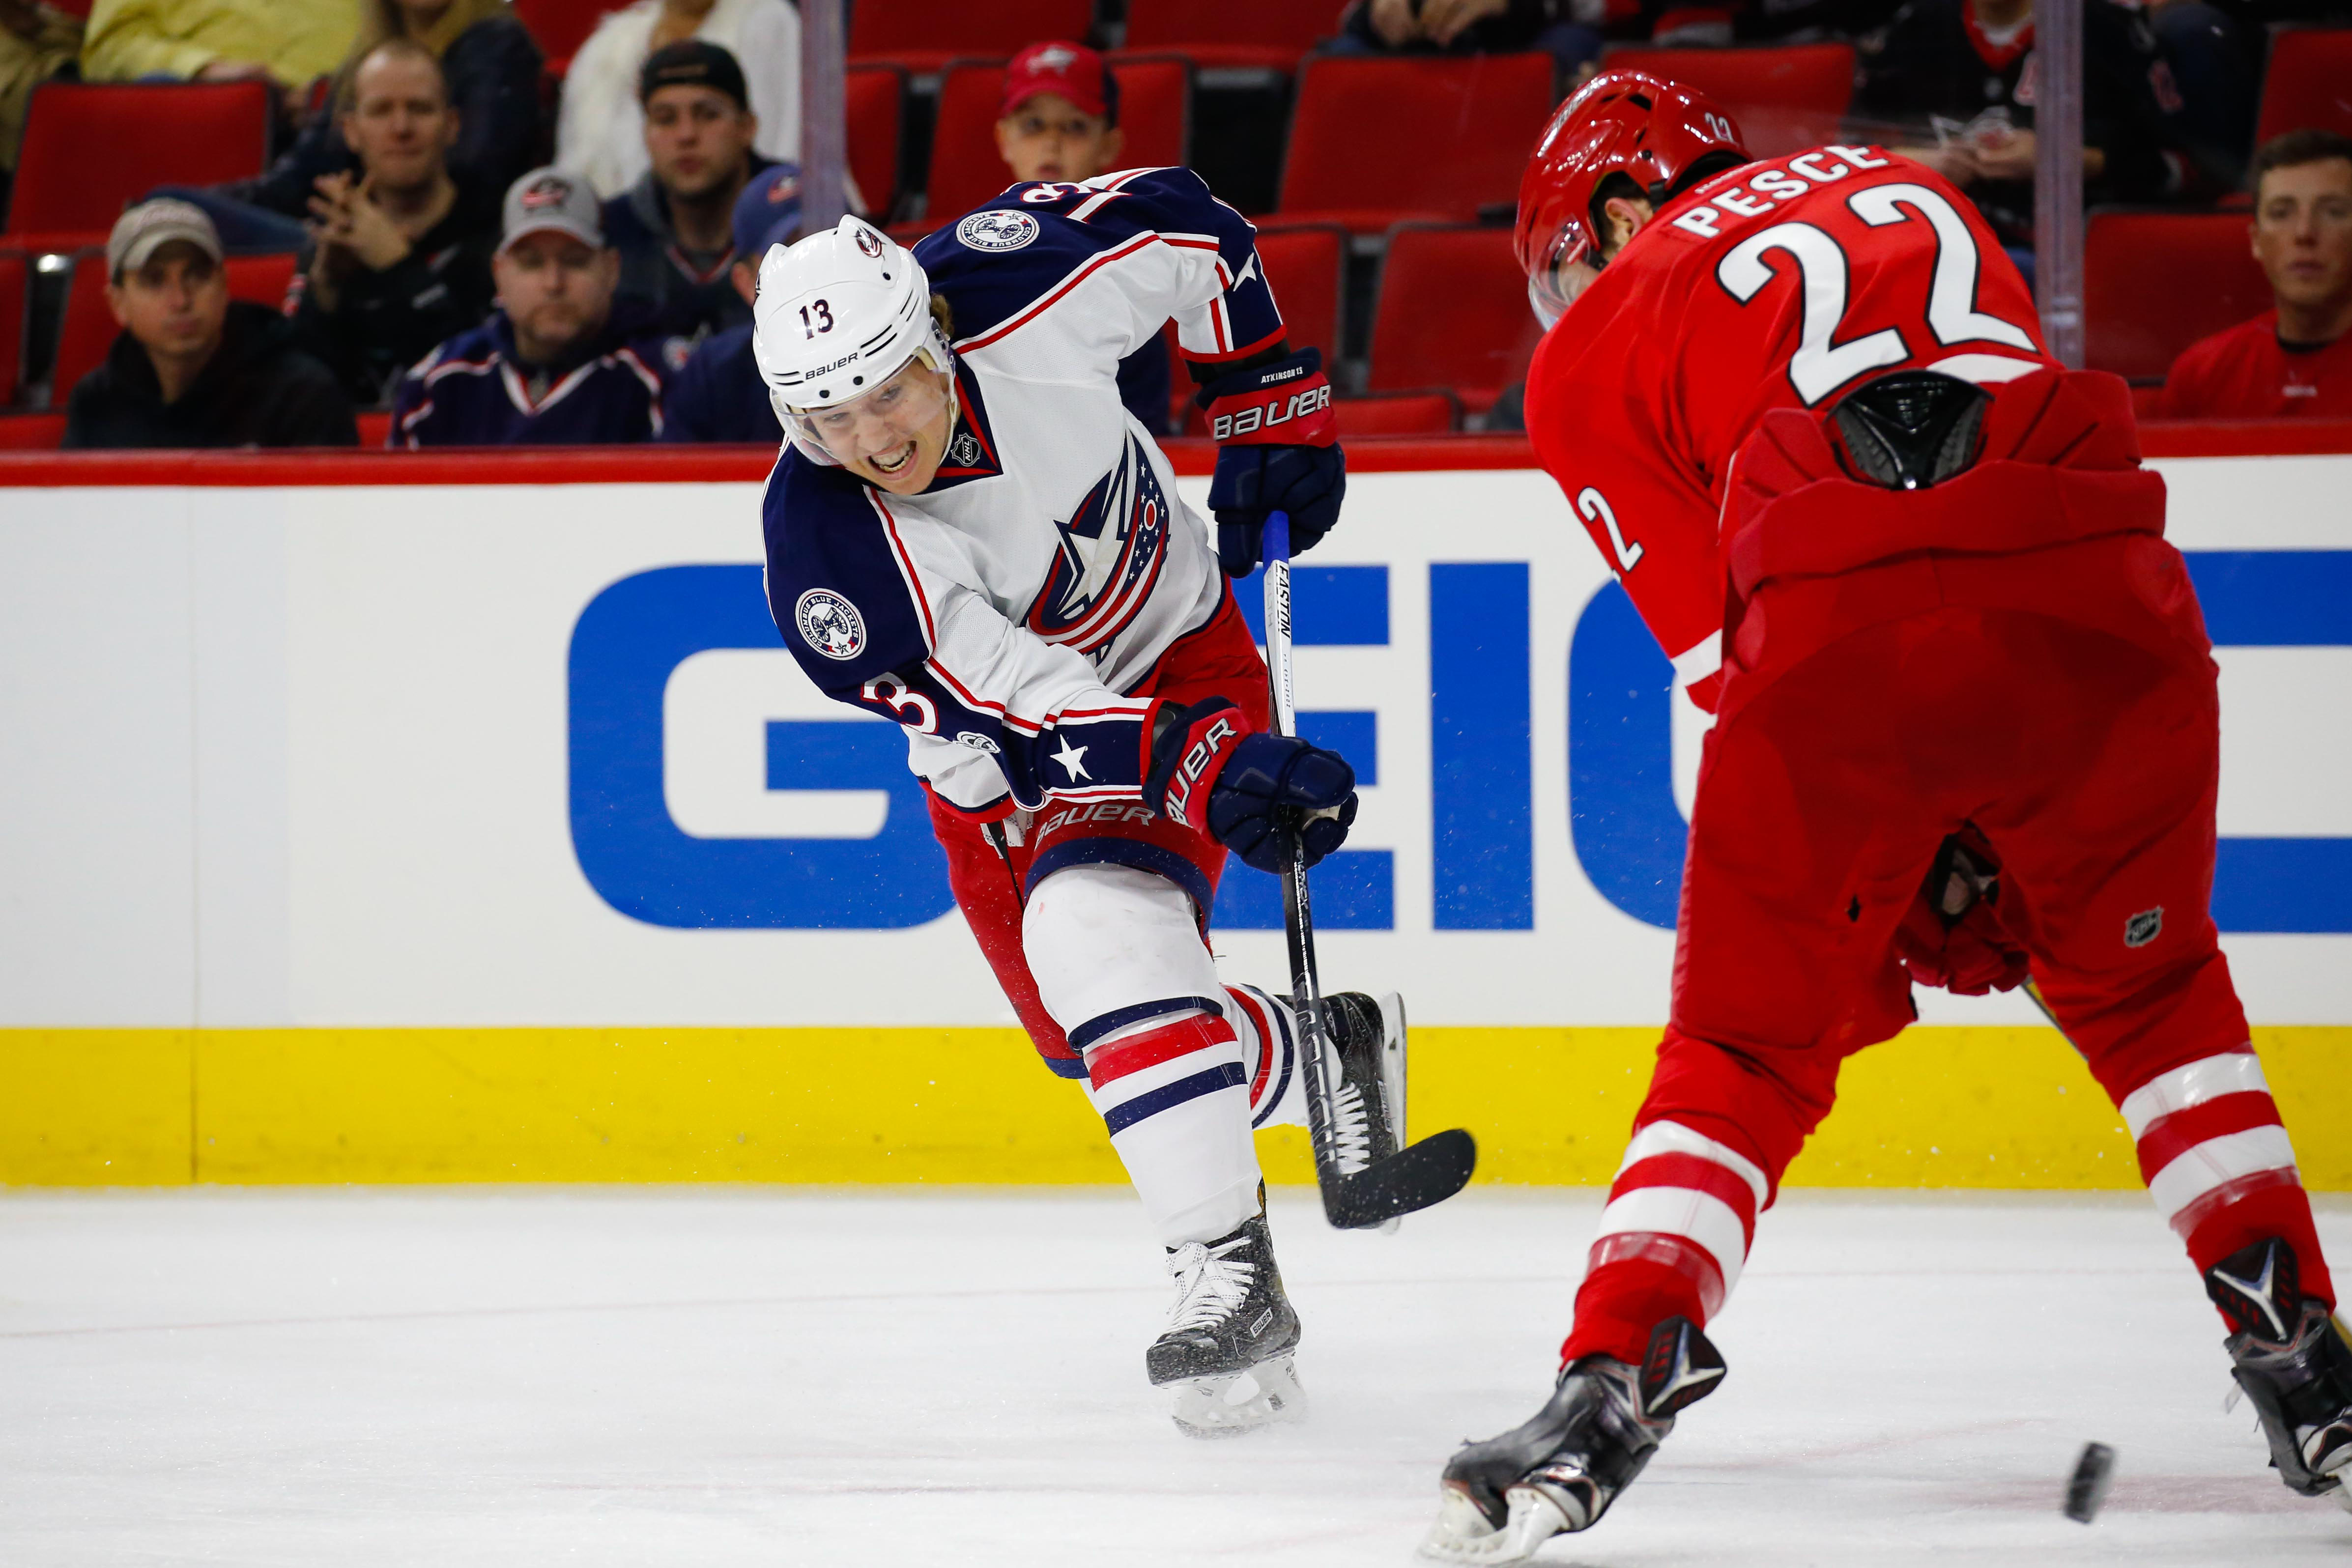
{"x":1118,"y":1019}
{"x":1225,"y":1075}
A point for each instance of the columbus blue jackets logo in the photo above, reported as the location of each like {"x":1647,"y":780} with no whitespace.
{"x":830,"y":624}
{"x":1111,"y":552}
{"x":997,"y":231}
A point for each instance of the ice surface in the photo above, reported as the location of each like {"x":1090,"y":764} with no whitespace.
{"x":772,"y":1377}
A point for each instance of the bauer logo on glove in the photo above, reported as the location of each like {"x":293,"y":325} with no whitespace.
{"x":1248,"y":790}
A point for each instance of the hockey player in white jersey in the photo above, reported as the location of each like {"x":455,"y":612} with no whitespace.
{"x":969,"y":535}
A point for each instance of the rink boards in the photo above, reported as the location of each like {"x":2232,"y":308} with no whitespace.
{"x":483,"y":830}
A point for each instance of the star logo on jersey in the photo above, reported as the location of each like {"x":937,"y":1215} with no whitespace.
{"x":830,"y":624}
{"x":1108,"y":558}
{"x":996,"y":231}
{"x":1073,"y":759}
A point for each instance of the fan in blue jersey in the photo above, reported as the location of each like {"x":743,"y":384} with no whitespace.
{"x":968,"y":534}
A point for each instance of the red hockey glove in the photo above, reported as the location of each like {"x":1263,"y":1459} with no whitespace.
{"x":1951,"y":937}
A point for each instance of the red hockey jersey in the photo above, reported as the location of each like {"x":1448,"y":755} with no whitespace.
{"x":1776,"y":285}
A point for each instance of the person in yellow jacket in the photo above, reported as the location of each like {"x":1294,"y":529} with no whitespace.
{"x":290,"y":43}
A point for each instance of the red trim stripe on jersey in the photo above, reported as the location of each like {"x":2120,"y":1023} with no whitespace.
{"x":906,"y":570}
{"x":1118,"y":253}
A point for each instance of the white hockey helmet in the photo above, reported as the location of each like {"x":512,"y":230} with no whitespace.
{"x":836,"y":313}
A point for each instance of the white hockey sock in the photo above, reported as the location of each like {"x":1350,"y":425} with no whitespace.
{"x":1269,"y":1040}
{"x":1176,"y":1102}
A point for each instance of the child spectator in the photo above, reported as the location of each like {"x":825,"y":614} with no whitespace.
{"x":287,"y":43}
{"x":718,"y":396}
{"x":2296,"y":359}
{"x":490,"y":73}
{"x":193,"y":367}
{"x":400,"y":262}
{"x":1059,"y":120}
{"x":599,"y":133}
{"x":1957,"y":79}
{"x":557,"y":364}
{"x":674,"y":228}
{"x":37,"y":41}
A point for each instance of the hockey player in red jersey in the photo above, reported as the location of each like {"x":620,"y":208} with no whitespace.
{"x":1913,"y":566}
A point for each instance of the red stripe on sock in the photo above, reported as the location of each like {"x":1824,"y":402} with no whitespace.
{"x":1107,"y":1064}
{"x":2237,"y":1190}
{"x":1264,"y":1027}
{"x":1699,"y":1174}
{"x":1634,"y":1281}
{"x":2171,"y":1137}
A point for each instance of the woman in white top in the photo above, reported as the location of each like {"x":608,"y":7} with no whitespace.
{"x":601,"y":134}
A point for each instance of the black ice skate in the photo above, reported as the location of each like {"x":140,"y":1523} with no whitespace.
{"x":1227,"y":1350}
{"x":1505,"y":1497}
{"x":2291,"y":1359}
{"x":1368,"y":1110}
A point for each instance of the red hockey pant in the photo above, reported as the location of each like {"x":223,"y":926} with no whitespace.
{"x":2063,"y":700}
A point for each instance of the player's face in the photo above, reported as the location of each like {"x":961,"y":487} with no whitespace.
{"x":697,"y":139}
{"x":176,"y":304}
{"x":2302,"y":231}
{"x":1566,"y":272}
{"x":1047,"y":137}
{"x":556,"y":291}
{"x":894,"y":436}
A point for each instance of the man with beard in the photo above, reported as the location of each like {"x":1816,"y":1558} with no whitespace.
{"x":674,"y":229}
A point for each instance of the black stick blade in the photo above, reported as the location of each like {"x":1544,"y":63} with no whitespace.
{"x":1414,"y":1177}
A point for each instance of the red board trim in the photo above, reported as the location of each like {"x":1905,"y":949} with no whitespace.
{"x":721,"y":464}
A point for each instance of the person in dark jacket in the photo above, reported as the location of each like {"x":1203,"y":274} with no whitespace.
{"x":1958,"y":77}
{"x":674,"y":228}
{"x":400,"y":261}
{"x":491,"y":67}
{"x":558,"y":363}
{"x":718,"y":396}
{"x":193,"y":367}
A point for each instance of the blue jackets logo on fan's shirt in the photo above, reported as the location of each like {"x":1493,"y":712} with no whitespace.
{"x":1111,"y":552}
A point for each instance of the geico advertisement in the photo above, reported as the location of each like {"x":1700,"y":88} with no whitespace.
{"x":506,"y":754}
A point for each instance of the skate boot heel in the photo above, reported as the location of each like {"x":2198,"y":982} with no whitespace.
{"x":2293,"y":1362}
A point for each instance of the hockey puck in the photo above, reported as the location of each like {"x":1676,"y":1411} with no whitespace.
{"x":2087,"y":1487}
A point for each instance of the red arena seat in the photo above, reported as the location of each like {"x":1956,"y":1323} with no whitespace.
{"x":1375,"y":140}
{"x":924,"y":36}
{"x":31,"y":432}
{"x":12,"y":276}
{"x":873,"y":95}
{"x":89,"y":330}
{"x":560,"y":26}
{"x":2136,"y":313}
{"x":1453,"y":313}
{"x":1785,"y":99}
{"x":1155,"y":113}
{"x":2309,"y":84}
{"x":91,"y":150}
{"x":1398,"y":414}
{"x":1306,"y":266}
{"x":1263,"y":36}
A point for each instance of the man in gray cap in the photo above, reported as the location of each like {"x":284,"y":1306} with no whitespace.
{"x":193,"y":367}
{"x":558,"y":363}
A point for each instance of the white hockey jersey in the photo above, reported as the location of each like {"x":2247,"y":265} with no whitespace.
{"x":1007,"y":615}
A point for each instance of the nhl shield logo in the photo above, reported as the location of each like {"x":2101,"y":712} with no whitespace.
{"x":2142,"y":928}
{"x":997,"y":231}
{"x":830,"y":624}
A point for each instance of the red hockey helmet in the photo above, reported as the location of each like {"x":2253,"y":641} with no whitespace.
{"x":1649,"y":130}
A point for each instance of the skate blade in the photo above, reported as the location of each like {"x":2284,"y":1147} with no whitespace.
{"x":1392,"y":1077}
{"x":1235,"y":1403}
{"x":1463,"y":1535}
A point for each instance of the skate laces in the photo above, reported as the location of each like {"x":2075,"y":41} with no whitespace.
{"x":1351,"y":1128}
{"x":1210,"y":1285}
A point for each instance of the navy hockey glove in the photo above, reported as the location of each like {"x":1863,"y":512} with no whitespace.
{"x":1277,"y":449}
{"x":1246,"y":789}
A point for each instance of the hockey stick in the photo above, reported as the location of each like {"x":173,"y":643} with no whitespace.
{"x":1419,"y":1175}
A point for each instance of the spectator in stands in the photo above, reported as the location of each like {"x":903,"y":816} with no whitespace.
{"x":718,"y":396}
{"x":490,"y":71}
{"x":599,"y":133}
{"x":1568,"y":30}
{"x":399,"y":262}
{"x":193,"y":367}
{"x":1951,"y":84}
{"x":37,"y":41}
{"x":1059,"y":120}
{"x":674,"y":227}
{"x":2296,"y":359}
{"x":288,"y":44}
{"x":2219,"y":68}
{"x":558,"y":363}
